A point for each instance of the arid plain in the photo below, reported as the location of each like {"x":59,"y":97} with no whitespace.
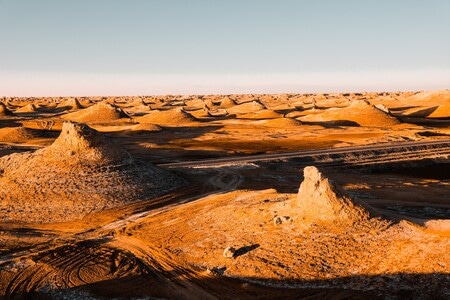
{"x":226,"y":196}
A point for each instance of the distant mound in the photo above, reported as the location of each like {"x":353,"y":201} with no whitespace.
{"x":360,"y":112}
{"x":17,"y":134}
{"x":172,"y":117}
{"x":195,"y":104}
{"x":98,"y":113}
{"x":442,"y":111}
{"x":245,"y":108}
{"x":428,"y":98}
{"x":4,"y":111}
{"x":262,"y":114}
{"x":320,"y":200}
{"x":281,"y":123}
{"x":29,"y":108}
{"x":148,"y":127}
{"x":227,"y":102}
{"x":419,"y":111}
{"x":81,"y":172}
{"x":70,"y":104}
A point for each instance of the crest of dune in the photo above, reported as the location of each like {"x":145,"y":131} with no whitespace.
{"x":320,"y":200}
{"x":360,"y":112}
{"x":173,"y":117}
{"x":97,"y":113}
{"x":83,"y":171}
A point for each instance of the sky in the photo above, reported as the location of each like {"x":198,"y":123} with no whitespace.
{"x":150,"y":47}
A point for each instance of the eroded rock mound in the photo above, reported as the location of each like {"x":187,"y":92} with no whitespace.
{"x":172,"y":117}
{"x":245,"y":108}
{"x":4,"y":111}
{"x":359,"y":113}
{"x":319,"y":199}
{"x":70,"y":104}
{"x":29,"y":108}
{"x":80,"y":143}
{"x":81,"y":172}
{"x":17,"y":134}
{"x":97,"y":113}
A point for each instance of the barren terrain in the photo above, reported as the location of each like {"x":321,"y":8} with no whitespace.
{"x":226,"y":196}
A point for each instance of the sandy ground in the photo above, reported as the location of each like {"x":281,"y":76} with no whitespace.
{"x":89,"y":214}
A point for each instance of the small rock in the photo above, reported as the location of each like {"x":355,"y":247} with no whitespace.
{"x":280,"y":220}
{"x":229,"y":252}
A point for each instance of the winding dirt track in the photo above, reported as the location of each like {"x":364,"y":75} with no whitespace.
{"x":417,"y":149}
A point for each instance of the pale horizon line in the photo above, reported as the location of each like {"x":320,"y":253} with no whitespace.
{"x":97,"y":85}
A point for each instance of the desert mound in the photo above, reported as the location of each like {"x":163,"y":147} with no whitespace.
{"x":419,"y":111}
{"x":147,"y":127}
{"x":428,"y":98}
{"x":195,"y":103}
{"x":360,"y":112}
{"x":281,"y":123}
{"x":97,"y":113}
{"x":227,"y":102}
{"x":442,"y":111}
{"x":262,"y":114}
{"x":29,"y":108}
{"x":245,"y":108}
{"x":17,"y":134}
{"x":200,"y":113}
{"x":81,"y":172}
{"x":319,"y":199}
{"x":4,"y":111}
{"x":70,"y":104}
{"x":173,"y":117}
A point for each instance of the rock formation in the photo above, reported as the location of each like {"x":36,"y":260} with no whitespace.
{"x":81,"y":172}
{"x":320,"y":200}
{"x":4,"y":111}
{"x":97,"y":113}
{"x":172,"y":117}
{"x":70,"y":104}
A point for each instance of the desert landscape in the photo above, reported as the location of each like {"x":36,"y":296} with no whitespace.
{"x":240,"y":196}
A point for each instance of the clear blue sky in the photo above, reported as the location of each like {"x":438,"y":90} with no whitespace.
{"x":119,"y":47}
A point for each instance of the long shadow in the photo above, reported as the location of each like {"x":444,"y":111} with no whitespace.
{"x":333,"y":123}
{"x":165,"y":152}
{"x":245,"y":249}
{"x":389,"y":286}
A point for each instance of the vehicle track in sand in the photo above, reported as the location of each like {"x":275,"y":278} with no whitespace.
{"x":97,"y":255}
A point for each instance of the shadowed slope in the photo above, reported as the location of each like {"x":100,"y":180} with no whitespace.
{"x":4,"y":111}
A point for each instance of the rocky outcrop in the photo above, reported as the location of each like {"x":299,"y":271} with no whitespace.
{"x":82,"y":172}
{"x":97,"y":113}
{"x":320,"y":200}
